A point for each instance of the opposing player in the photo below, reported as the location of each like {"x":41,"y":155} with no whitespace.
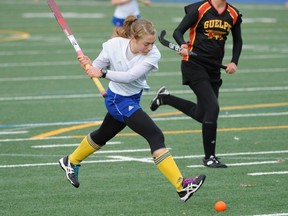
{"x":124,"y":8}
{"x":209,"y":23}
{"x":130,"y":57}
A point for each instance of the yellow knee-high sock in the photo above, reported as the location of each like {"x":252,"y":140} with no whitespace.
{"x":166,"y":164}
{"x":86,"y":148}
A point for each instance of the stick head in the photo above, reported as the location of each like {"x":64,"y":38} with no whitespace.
{"x":161,"y":36}
{"x":177,"y":48}
{"x":167,"y":43}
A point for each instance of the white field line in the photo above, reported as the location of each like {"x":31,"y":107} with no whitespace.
{"x":37,"y":64}
{"x":61,"y":52}
{"x":253,"y":115}
{"x":268,"y":173}
{"x":245,"y":20}
{"x":234,"y":154}
{"x":66,"y":15}
{"x":76,"y":96}
{"x":43,"y":78}
{"x":253,"y":7}
{"x":144,"y":160}
{"x":118,"y":158}
{"x":160,"y":74}
{"x":32,"y":139}
{"x":12,"y":132}
{"x":253,"y":153}
{"x":93,"y":155}
{"x":80,"y":122}
{"x":259,"y":20}
{"x":45,"y":124}
{"x":223,"y":116}
{"x":175,"y":157}
{"x":49,"y":97}
{"x":122,"y":159}
{"x":281,"y":48}
{"x":241,"y":164}
{"x":155,"y":119}
{"x":76,"y":3}
{"x":68,"y":145}
{"x":273,"y":214}
{"x":174,"y":59}
{"x":121,"y":151}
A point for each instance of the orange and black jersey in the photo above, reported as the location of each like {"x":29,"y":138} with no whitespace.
{"x":208,"y":30}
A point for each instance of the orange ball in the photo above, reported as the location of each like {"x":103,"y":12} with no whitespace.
{"x":220,"y":206}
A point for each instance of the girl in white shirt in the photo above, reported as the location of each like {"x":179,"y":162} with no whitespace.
{"x":126,"y":60}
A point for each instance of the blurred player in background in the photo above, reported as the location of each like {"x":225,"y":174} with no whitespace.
{"x":209,"y":23}
{"x":123,"y":9}
{"x":130,"y":56}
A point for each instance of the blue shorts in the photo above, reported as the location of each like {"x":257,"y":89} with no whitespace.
{"x":119,"y":106}
{"x":117,"y":22}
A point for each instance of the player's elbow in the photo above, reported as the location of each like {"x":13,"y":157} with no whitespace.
{"x":129,"y":79}
{"x":178,"y":36}
{"x":175,"y":33}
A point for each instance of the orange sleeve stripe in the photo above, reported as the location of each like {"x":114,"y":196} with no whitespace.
{"x":233,"y":14}
{"x":202,"y":10}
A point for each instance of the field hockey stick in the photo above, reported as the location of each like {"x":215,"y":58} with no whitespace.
{"x":63,"y":24}
{"x":177,"y":48}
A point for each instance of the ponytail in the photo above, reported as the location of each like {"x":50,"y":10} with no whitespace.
{"x":136,"y":27}
{"x":125,"y":32}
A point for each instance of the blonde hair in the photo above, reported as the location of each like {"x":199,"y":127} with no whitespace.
{"x":136,"y":27}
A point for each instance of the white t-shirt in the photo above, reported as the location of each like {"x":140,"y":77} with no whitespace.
{"x":127,"y":72}
{"x":124,"y":10}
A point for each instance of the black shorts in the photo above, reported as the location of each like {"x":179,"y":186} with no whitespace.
{"x":193,"y":72}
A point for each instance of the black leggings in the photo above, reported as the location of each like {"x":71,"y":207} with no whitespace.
{"x":207,"y":107}
{"x":139,"y":122}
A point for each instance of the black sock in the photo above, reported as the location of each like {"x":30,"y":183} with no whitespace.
{"x":209,"y":131}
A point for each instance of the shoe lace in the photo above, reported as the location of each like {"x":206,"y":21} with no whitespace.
{"x":189,"y":184}
{"x":70,"y":170}
{"x":75,"y":170}
{"x":214,"y":159}
{"x":188,"y":181}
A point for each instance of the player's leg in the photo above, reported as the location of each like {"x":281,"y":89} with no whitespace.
{"x":189,"y":77}
{"x":207,"y":96}
{"x":142,"y":124}
{"x":189,"y":108}
{"x":216,"y":84}
{"x":91,"y":143}
{"x":96,"y":139}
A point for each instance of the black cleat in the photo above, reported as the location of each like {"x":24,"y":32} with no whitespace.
{"x":190,"y":186}
{"x":158,"y":99}
{"x":213,"y":162}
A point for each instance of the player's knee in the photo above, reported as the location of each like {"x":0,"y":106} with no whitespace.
{"x":199,"y":117}
{"x":97,"y":138}
{"x":157,"y":141}
{"x":212,"y":113}
{"x":215,"y":110}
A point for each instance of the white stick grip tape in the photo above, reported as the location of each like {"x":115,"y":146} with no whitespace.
{"x":74,"y":43}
